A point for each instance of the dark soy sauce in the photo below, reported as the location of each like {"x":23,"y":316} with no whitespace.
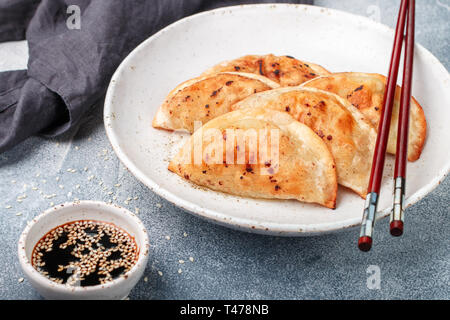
{"x":85,"y":253}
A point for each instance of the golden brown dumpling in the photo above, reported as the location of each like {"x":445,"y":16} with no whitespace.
{"x":259,"y":153}
{"x":285,"y":70}
{"x":350,"y":138}
{"x":366,"y":91}
{"x":204,"y":98}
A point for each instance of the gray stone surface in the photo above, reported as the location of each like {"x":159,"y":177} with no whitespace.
{"x":230,"y":264}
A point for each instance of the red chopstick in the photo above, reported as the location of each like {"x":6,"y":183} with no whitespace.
{"x":401,"y":160}
{"x":376,"y":175}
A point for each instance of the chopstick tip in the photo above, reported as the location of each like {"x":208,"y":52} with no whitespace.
{"x":365,"y":243}
{"x":396,"y":228}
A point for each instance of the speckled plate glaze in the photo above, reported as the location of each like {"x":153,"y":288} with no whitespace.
{"x":336,"y":40}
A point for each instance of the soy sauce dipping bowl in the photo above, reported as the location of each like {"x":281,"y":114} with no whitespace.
{"x":118,"y":288}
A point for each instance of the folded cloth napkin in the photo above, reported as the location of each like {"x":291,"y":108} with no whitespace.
{"x":71,"y":61}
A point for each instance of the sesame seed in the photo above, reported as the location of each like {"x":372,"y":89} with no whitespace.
{"x":181,"y":261}
{"x":21,"y":280}
{"x":8,"y":207}
{"x":185,"y":234}
{"x":145,"y":279}
{"x":158,"y":205}
{"x":180,"y":271}
{"x":168,"y":237}
{"x":191,"y":259}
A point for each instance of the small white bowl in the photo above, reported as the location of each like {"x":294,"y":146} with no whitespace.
{"x":118,"y":288}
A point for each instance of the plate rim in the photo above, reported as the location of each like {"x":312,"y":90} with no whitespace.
{"x":267,"y":228}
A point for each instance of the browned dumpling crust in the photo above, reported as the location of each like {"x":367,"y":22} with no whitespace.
{"x":304,"y":168}
{"x":366,"y":91}
{"x":285,"y":70}
{"x":204,"y":98}
{"x":349,"y":136}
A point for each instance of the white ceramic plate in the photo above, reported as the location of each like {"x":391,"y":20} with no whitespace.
{"x":339,"y":41}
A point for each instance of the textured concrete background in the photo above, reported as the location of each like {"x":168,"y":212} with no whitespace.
{"x":230,"y":264}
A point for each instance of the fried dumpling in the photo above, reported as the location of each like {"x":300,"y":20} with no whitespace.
{"x":366,"y":91}
{"x":285,"y":70}
{"x":259,"y":153}
{"x":349,"y":136}
{"x":204,"y":98}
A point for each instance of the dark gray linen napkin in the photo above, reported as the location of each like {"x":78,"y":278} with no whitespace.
{"x":69,"y":69}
